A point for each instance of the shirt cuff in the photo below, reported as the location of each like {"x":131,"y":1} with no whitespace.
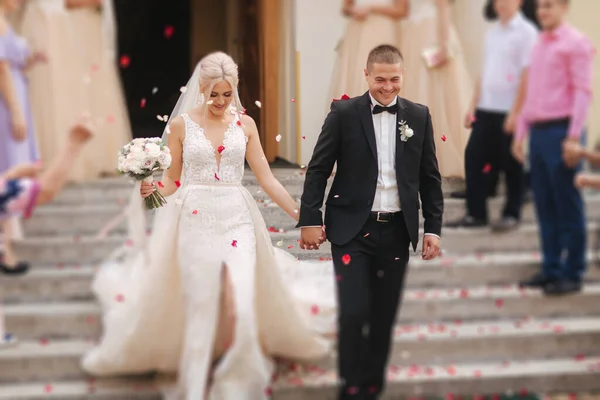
{"x":311,"y":226}
{"x":433,"y":234}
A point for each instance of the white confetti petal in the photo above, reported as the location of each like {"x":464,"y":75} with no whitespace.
{"x":303,"y":166}
{"x":160,"y":118}
{"x":165,"y":118}
{"x":154,"y":90}
{"x":168,"y":129}
{"x":280,"y":243}
{"x":183,"y":89}
{"x":209,"y":102}
{"x":258,"y":104}
{"x":278,"y":138}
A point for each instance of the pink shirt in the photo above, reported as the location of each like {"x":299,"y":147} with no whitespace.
{"x":560,"y":80}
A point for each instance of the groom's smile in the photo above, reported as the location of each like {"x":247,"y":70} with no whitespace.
{"x":385,"y":81}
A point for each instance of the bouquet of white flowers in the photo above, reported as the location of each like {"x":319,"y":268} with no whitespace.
{"x":140,"y":159}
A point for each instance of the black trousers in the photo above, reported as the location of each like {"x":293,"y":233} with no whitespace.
{"x":369,"y":291}
{"x":488,"y":152}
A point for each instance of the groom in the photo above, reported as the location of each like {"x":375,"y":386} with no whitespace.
{"x":385,"y":154}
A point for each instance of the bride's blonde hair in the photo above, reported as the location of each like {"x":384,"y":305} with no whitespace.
{"x":216,"y":67}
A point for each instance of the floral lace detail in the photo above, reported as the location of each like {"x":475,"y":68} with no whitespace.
{"x":200,"y":164}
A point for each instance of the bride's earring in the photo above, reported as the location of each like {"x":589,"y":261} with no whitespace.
{"x":200,"y":100}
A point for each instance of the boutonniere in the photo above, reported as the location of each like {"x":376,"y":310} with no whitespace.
{"x":406,"y":131}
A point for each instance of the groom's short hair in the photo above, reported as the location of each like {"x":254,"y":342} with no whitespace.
{"x":384,"y":54}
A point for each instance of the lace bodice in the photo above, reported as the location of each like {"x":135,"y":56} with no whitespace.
{"x":200,"y":163}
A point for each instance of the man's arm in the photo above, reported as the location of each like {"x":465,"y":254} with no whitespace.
{"x":430,"y":184}
{"x":581,"y":62}
{"x":319,"y":170}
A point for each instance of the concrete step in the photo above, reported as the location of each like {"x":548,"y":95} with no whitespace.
{"x":89,"y":250}
{"x":56,"y":283}
{"x":85,"y":389}
{"x":90,"y":218}
{"x":472,"y":379}
{"x":82,"y":319}
{"x":507,"y":342}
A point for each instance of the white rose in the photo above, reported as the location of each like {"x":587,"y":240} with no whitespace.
{"x":408,"y":132}
{"x":165,"y":160}
{"x":136,"y":149}
{"x":152,"y":150}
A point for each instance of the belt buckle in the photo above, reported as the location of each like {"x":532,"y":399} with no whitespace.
{"x":381,"y":220}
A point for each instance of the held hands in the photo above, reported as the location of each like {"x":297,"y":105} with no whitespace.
{"x":441,"y":57}
{"x":517,"y":151}
{"x":312,"y":237}
{"x":147,"y":189}
{"x":572,"y":153}
{"x":431,"y":247}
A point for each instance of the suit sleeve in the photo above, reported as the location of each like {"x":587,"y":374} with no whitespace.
{"x":319,"y":170}
{"x":430,"y":183}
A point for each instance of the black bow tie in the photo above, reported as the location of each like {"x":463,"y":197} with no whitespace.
{"x":393,"y":109}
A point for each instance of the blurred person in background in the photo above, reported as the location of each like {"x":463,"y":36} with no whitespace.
{"x":17,"y":139}
{"x":556,"y":107}
{"x":370,"y":23}
{"x":80,"y":78}
{"x":528,"y":8}
{"x":436,"y":75}
{"x":493,"y":114}
{"x":21,"y":191}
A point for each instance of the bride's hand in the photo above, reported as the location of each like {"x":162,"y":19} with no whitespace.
{"x":147,"y":189}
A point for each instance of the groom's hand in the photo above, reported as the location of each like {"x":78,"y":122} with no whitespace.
{"x":431,"y":247}
{"x":311,"y":237}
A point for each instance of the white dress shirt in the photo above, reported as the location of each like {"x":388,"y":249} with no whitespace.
{"x":506,"y":55}
{"x":386,"y":130}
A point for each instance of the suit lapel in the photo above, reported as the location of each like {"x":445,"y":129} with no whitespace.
{"x":366,"y":118}
{"x":401,"y":116}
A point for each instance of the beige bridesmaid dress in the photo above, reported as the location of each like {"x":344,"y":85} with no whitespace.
{"x":359,"y":39}
{"x":80,"y":79}
{"x":447,"y":90}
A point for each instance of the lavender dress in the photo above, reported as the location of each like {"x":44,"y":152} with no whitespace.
{"x":13,"y":50}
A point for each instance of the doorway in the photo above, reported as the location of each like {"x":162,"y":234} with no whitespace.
{"x":157,"y":41}
{"x":246,"y":29}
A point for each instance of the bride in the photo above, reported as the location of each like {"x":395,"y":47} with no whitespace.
{"x":207,"y":294}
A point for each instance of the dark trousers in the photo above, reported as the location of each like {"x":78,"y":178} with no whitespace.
{"x":368,"y":292}
{"x":489,"y":150}
{"x":558,"y":204}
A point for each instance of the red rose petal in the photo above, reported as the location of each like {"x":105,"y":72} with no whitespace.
{"x":345,"y":97}
{"x":314,"y":310}
{"x":129,"y":243}
{"x":499,"y":303}
{"x":195,"y":212}
{"x":477,"y":374}
{"x":303,"y":137}
{"x":220,"y":149}
{"x":352,"y":390}
{"x":293,"y":100}
{"x":120,"y":298}
{"x":234,"y":243}
{"x":443,"y":138}
{"x":44,"y":342}
{"x":346,"y":259}
{"x":143,"y":103}
{"x":125,"y":61}
{"x":239,"y":123}
{"x":177,"y":183}
{"x":487,"y":168}
{"x":217,"y":177}
{"x":48,"y":388}
{"x":169,"y":31}
{"x":160,"y":184}
{"x":269,"y":392}
{"x":580,"y":357}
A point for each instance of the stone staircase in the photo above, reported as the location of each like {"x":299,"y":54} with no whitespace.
{"x":464,"y":327}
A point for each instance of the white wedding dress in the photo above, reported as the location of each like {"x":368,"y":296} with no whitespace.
{"x":161,"y":295}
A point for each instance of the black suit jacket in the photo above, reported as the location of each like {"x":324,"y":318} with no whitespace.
{"x":348,"y":138}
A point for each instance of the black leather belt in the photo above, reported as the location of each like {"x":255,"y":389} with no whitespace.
{"x":551,"y":123}
{"x":384,"y":217}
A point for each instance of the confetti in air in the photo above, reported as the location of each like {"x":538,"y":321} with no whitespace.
{"x":154,"y":90}
{"x":258,"y":104}
{"x":346,"y":259}
{"x":169,"y":31}
{"x":143,"y":103}
{"x":125,"y":61}
{"x":278,"y":138}
{"x":209,"y":102}
{"x":183,"y":89}
{"x":443,"y":138}
{"x":487,"y":168}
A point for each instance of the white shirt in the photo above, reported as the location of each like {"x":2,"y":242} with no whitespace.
{"x":506,"y":55}
{"x":386,"y":130}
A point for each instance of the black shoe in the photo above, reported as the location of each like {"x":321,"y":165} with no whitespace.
{"x":467,"y":222}
{"x":506,"y":224}
{"x":563,"y":287}
{"x":536,"y":281}
{"x":19,"y":269}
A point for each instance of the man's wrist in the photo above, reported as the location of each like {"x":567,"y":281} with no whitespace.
{"x":433,"y":234}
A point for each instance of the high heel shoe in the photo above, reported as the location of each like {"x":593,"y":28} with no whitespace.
{"x":19,"y":269}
